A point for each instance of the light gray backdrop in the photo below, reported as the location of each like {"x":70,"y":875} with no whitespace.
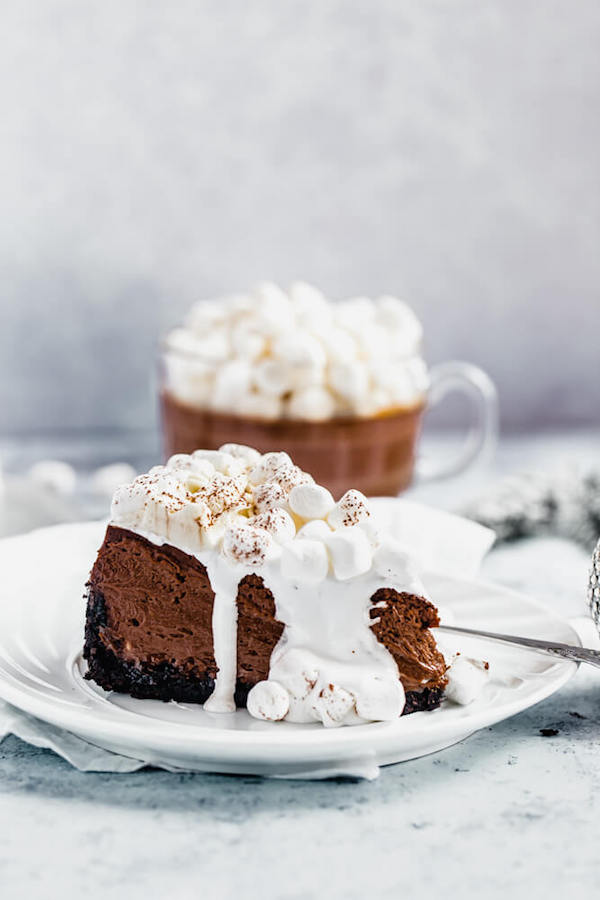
{"x":156,"y":152}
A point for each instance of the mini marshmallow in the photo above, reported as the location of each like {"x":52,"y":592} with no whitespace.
{"x":311,"y":359}
{"x":375,"y":401}
{"x":312,"y":404}
{"x":268,"y":465}
{"x":303,"y":356}
{"x":247,"y":545}
{"x":310,"y":501}
{"x":278,"y":523}
{"x":391,"y":560}
{"x":255,"y":405}
{"x":467,"y":679}
{"x":196,"y":469}
{"x":306,"y":296}
{"x":247,"y":341}
{"x":54,"y":475}
{"x":268,"y":496}
{"x":356,"y":313}
{"x":268,"y":700}
{"x":183,"y":340}
{"x":272,"y":377}
{"x":350,"y":551}
{"x":380,"y":700}
{"x":221,"y":461}
{"x":189,"y":379}
{"x":350,"y":380}
{"x":339,"y":345}
{"x":249,"y":455}
{"x":204,"y":315}
{"x":232,"y":380}
{"x":351,"y":509}
{"x":305,"y":561}
{"x":224,"y":492}
{"x":273,"y":311}
{"x":315,"y":530}
{"x":287,"y":477}
{"x":214,"y":347}
{"x":333,"y":704}
{"x":397,"y":316}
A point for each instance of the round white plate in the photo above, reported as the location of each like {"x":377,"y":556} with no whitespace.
{"x":42,"y":614}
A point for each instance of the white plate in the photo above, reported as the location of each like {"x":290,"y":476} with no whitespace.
{"x":41,"y":671}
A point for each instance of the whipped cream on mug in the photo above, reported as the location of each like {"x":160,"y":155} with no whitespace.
{"x":272,"y":354}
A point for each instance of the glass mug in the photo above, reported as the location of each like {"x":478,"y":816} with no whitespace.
{"x":376,"y":455}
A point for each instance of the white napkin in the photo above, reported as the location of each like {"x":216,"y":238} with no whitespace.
{"x":441,"y":542}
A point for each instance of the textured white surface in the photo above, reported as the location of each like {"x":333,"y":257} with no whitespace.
{"x":508,"y":812}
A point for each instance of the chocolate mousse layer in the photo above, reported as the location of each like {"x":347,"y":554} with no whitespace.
{"x":401,"y":622}
{"x":149,"y":620}
{"x":149,"y":623}
{"x":374,"y":455}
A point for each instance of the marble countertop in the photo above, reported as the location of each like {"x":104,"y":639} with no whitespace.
{"x":506,"y":811}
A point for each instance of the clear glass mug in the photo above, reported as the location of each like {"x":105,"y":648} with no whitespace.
{"x":377,"y":455}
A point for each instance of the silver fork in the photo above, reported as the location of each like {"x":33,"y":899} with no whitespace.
{"x":552,"y":648}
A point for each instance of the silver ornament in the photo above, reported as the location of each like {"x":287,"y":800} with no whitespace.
{"x":594,"y":586}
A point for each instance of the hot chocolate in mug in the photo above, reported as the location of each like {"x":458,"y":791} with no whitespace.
{"x":342,"y":387}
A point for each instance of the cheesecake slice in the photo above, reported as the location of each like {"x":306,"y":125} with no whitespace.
{"x":230,"y":578}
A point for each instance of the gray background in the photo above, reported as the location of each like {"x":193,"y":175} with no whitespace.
{"x":153,"y":153}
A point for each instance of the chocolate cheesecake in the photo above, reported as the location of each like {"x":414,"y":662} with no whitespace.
{"x":230,"y":578}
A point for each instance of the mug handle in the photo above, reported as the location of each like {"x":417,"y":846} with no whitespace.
{"x":482,"y":437}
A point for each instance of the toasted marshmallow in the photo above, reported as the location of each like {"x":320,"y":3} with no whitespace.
{"x":305,"y":561}
{"x":310,"y":501}
{"x":268,"y":700}
{"x":247,"y":545}
{"x":350,"y":551}
{"x":351,"y":509}
{"x":278,"y":523}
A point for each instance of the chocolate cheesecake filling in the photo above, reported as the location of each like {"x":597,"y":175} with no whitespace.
{"x":149,"y":622}
{"x":149,"y":627}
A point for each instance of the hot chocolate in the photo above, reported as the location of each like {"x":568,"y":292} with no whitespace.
{"x":376,"y":454}
{"x":341,"y":386}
